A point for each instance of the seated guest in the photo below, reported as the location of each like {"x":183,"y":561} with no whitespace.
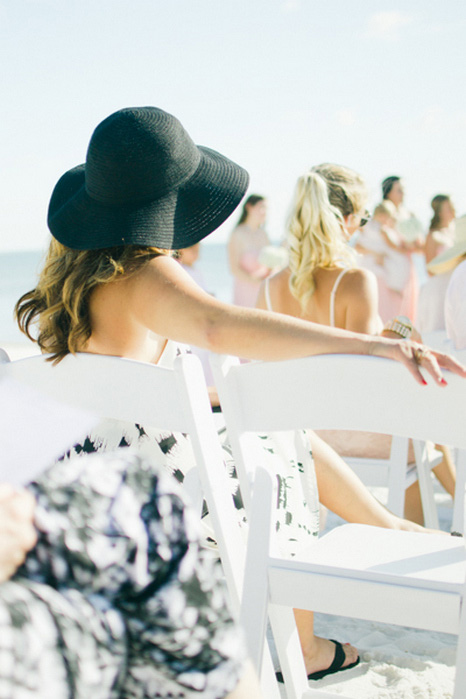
{"x":324,"y":285}
{"x":109,"y":285}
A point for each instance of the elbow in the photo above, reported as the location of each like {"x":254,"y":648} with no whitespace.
{"x":214,"y":336}
{"x":218,"y":331}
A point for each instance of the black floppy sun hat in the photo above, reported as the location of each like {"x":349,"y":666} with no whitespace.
{"x":144,"y":183}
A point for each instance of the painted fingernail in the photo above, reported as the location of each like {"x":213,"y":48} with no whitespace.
{"x":424,"y":382}
{"x":443,"y":382}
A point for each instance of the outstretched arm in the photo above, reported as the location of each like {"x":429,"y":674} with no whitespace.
{"x":167,"y":301}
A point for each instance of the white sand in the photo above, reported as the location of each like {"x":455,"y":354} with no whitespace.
{"x":396,"y":662}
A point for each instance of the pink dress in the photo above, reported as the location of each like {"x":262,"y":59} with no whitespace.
{"x":245,"y":291}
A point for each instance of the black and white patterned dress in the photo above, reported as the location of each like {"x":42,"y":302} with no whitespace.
{"x":288,"y":454}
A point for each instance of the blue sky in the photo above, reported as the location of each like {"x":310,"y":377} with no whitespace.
{"x":277,"y":85}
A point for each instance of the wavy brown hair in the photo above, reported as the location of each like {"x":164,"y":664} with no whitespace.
{"x":436,"y":204}
{"x":59,"y":304}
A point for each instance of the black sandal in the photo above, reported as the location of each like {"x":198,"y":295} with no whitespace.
{"x":336,"y":665}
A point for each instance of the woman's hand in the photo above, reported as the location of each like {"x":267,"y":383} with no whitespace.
{"x":415,"y":355}
{"x":17,"y":532}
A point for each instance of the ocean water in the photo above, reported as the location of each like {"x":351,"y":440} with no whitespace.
{"x":18,"y":274}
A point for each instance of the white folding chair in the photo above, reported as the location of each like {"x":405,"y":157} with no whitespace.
{"x":4,"y":357}
{"x":395,"y":472}
{"x":359,"y":571}
{"x":173,"y":400}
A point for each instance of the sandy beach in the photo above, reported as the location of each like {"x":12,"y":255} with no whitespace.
{"x":396,"y":662}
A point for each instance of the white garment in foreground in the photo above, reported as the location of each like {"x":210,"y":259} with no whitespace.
{"x":455,"y":307}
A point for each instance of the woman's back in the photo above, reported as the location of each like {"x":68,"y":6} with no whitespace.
{"x":342,"y":298}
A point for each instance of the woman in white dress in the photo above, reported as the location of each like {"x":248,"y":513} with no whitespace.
{"x":110,"y":285}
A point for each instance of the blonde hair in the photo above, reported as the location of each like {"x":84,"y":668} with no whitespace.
{"x":386,"y":208}
{"x":60,"y":302}
{"x":322,"y":198}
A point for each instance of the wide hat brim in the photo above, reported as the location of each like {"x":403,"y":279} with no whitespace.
{"x":177,"y":220}
{"x":449,"y":258}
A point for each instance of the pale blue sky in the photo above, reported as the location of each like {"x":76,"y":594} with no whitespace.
{"x":277,"y":85}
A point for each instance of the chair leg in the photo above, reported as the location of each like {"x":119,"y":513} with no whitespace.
{"x":460,"y":492}
{"x":255,"y":597}
{"x":397,"y":475}
{"x":459,"y":691}
{"x":425,"y":485}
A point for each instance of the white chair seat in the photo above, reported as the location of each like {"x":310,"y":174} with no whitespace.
{"x":433,"y":561}
{"x":390,"y":563}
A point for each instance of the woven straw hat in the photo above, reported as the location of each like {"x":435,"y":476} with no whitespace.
{"x":146,"y":183}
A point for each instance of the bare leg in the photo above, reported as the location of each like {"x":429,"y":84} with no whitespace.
{"x":446,"y":471}
{"x":413,"y":504}
{"x":318,"y":652}
{"x":342,"y":492}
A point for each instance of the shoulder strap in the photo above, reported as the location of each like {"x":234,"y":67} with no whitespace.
{"x":332,"y":297}
{"x":268,"y":302}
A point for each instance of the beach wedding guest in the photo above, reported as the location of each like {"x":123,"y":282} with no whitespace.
{"x":441,"y":235}
{"x":410,"y":229}
{"x":440,"y":239}
{"x":110,"y":286}
{"x":386,"y":253}
{"x":449,"y":266}
{"x":323,"y":284}
{"x":245,"y":244}
{"x":188,"y":258}
{"x":118,"y":597}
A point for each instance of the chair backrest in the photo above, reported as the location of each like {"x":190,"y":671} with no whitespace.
{"x":173,"y":400}
{"x":347,"y":392}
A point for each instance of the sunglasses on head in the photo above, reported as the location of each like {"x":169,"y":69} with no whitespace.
{"x":365,"y":219}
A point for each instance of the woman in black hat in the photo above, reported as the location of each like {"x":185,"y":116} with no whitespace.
{"x":110,"y":286}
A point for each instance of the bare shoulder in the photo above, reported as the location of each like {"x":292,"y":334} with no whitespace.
{"x":278,"y":291}
{"x":161,"y":273}
{"x":280,"y":279}
{"x":359,"y":281}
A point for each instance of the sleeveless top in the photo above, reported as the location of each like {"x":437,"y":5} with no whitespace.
{"x":268,"y":301}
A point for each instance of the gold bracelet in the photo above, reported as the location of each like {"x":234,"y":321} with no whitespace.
{"x":400,"y":326}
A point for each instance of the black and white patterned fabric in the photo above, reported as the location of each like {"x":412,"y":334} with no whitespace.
{"x":118,"y":598}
